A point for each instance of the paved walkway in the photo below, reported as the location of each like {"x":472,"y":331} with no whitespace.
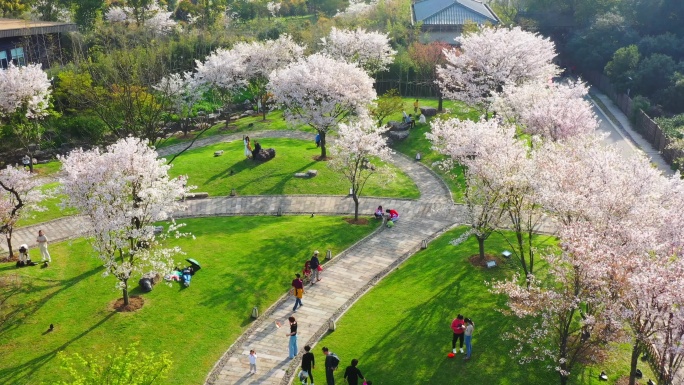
{"x":628,"y":133}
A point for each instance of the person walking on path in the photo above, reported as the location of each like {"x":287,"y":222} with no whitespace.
{"x":308,"y":363}
{"x":298,"y":291}
{"x":331,"y":363}
{"x":458,"y":327}
{"x":315,"y":265}
{"x":470,"y":327}
{"x":293,"y":337}
{"x":252,"y":361}
{"x":352,"y":373}
{"x":43,"y":245}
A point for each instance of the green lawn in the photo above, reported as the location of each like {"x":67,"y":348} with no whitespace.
{"x":400,"y":331}
{"x":274,"y":121}
{"x":246,"y":261}
{"x":213,"y":174}
{"x":52,"y":209}
{"x":47,"y":169}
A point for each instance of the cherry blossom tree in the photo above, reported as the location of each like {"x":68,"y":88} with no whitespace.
{"x":554,"y":111}
{"x":25,"y":99}
{"x":222,"y":71}
{"x":357,"y":8}
{"x":123,"y":192}
{"x":19,"y":195}
{"x":568,"y":316}
{"x":358,"y":145}
{"x":489,"y":59}
{"x":321,"y":92}
{"x":367,"y":49}
{"x":25,"y":90}
{"x":480,"y":147}
{"x":148,"y":14}
{"x":259,"y":59}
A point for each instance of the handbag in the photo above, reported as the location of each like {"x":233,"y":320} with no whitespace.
{"x":319,"y":268}
{"x":303,"y":375}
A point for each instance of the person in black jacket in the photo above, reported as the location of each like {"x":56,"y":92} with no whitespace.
{"x":331,"y":363}
{"x":314,"y":264}
{"x":257,"y":148}
{"x":308,"y":363}
{"x":352,"y":373}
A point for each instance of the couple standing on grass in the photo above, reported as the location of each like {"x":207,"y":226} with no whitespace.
{"x":463,"y":327}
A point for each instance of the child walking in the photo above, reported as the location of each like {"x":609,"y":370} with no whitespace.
{"x":252,"y":361}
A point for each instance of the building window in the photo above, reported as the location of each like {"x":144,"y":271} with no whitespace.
{"x":18,"y":56}
{"x":3,"y":59}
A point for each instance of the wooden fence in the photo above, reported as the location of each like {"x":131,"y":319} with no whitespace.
{"x":643,"y":123}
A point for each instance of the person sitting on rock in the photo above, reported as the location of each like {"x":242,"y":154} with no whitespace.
{"x":257,"y":148}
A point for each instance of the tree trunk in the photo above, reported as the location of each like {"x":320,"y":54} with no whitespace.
{"x":125,"y":294}
{"x":356,"y":206}
{"x":563,"y":380}
{"x":31,"y":164}
{"x":9,"y":242}
{"x":480,"y":242}
{"x":263,"y":112}
{"x":440,"y":101}
{"x":636,"y":350}
{"x":323,"y":153}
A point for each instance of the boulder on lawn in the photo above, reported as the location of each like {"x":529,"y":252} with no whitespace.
{"x":397,"y":136}
{"x":428,"y":111}
{"x":265,"y":154}
{"x":398,"y":126}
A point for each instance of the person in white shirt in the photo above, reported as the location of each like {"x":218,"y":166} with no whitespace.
{"x":421,"y":119}
{"x":43,"y":245}
{"x":252,"y":361}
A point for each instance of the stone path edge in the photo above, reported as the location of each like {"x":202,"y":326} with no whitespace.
{"x":324,"y":329}
{"x":232,"y":349}
{"x":431,"y":171}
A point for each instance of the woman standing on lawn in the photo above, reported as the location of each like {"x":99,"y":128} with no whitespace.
{"x":248,"y":147}
{"x":470,"y":327}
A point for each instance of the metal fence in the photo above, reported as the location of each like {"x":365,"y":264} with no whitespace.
{"x":643,"y":123}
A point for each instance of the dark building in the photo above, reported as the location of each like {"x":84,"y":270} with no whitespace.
{"x":25,"y":41}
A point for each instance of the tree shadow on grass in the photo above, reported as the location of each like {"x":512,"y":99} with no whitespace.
{"x":24,"y":372}
{"x":416,"y":348}
{"x":237,"y":167}
{"x":20,"y":313}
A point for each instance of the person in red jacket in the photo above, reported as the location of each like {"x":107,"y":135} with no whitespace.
{"x":458,"y":327}
{"x":393,"y":215}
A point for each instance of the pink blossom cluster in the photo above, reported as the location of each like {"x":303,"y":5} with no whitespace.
{"x":368,"y":49}
{"x":492,"y":58}
{"x":24,"y":89}
{"x":321,"y":92}
{"x":551,"y":110}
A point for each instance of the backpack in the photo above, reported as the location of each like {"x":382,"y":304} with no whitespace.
{"x":335,"y":361}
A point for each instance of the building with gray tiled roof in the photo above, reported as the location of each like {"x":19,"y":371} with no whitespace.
{"x":443,"y":20}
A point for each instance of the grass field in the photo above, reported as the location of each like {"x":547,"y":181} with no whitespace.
{"x":276,"y":176}
{"x":400,"y":331}
{"x":51,"y":206}
{"x":246,"y":262}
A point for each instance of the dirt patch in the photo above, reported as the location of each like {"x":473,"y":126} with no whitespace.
{"x":134,"y":304}
{"x":360,"y":221}
{"x":624,"y":380}
{"x":482,"y":263}
{"x":318,"y":158}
